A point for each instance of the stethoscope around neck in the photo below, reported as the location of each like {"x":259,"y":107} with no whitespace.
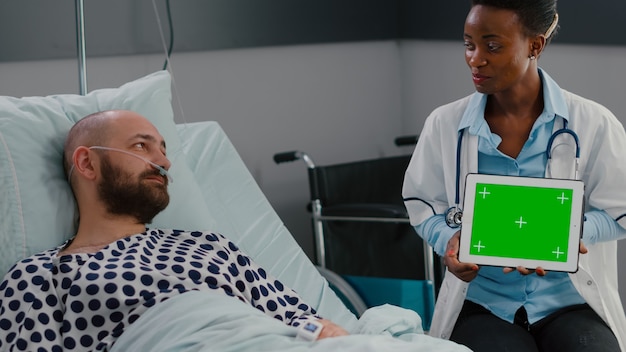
{"x":454,"y":214}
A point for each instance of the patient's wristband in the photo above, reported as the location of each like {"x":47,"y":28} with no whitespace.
{"x":309,"y":330}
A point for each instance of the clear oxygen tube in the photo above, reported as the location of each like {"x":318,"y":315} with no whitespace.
{"x":161,"y":169}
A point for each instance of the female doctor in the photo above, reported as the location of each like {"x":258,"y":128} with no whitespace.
{"x":505,"y":128}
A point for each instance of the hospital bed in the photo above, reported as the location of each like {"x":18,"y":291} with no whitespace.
{"x":362,"y":232}
{"x":212,"y":190}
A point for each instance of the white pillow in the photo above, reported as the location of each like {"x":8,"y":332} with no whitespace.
{"x":36,"y":204}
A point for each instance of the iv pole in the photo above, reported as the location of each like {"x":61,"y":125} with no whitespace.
{"x":80,"y":41}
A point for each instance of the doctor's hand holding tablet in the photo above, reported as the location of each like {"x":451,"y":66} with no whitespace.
{"x":468,"y":271}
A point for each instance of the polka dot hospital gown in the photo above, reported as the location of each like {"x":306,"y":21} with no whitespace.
{"x":81,"y":302}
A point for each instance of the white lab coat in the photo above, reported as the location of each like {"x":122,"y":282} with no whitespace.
{"x":431,"y":177}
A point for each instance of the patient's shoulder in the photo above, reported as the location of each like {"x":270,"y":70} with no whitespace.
{"x":199,"y":235}
{"x":30,"y":271}
{"x":39,"y":261}
{"x":209,"y":239}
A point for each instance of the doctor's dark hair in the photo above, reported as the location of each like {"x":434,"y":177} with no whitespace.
{"x":537,"y":16}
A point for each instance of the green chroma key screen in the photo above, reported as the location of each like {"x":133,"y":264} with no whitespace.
{"x":521,"y":222}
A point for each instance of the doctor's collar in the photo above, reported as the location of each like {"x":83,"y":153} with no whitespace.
{"x":554,"y":105}
{"x":553,"y":100}
{"x":474,"y":112}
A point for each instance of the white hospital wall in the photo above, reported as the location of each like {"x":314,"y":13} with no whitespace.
{"x":337,"y":102}
{"x":435,"y":73}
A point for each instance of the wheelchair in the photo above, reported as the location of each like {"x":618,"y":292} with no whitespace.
{"x":364,"y":244}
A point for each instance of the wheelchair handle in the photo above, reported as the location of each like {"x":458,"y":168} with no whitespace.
{"x":406,"y":140}
{"x":285,"y":157}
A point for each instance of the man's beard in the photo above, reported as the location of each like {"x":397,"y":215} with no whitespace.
{"x":125,"y":195}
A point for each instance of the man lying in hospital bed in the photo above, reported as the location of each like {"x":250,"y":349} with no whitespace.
{"x":117,"y":282}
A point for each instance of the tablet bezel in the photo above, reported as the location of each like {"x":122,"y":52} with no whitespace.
{"x":575,"y":231}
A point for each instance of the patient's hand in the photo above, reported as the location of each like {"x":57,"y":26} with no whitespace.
{"x":331,"y":329}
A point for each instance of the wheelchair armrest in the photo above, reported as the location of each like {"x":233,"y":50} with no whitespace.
{"x":373,"y":210}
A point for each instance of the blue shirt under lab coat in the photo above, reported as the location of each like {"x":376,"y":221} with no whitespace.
{"x":503,"y":293}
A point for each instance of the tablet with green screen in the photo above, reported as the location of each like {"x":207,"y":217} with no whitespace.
{"x":522,"y":221}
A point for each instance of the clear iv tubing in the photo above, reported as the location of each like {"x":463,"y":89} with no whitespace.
{"x":161,"y":169}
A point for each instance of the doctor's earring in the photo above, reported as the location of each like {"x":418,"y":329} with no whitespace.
{"x":532,"y":57}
